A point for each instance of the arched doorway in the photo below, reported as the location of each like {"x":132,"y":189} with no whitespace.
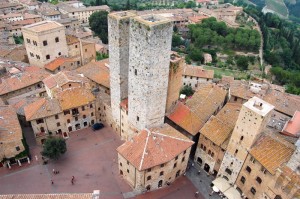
{"x":206,"y":167}
{"x":160,"y":183}
{"x":148,"y":187}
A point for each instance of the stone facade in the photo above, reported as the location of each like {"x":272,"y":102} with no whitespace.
{"x":194,"y":81}
{"x":156,"y":177}
{"x":88,"y":52}
{"x":252,"y":119}
{"x":149,"y":57}
{"x":44,"y":41}
{"x":118,"y":36}
{"x":174,"y":82}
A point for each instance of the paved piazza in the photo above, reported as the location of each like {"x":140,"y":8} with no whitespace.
{"x":92,"y":159}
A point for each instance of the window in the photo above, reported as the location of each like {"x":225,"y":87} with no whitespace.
{"x":137,"y":118}
{"x":184,"y":152}
{"x":176,"y":158}
{"x":235,"y":99}
{"x":204,"y":148}
{"x":148,"y":170}
{"x":120,"y":163}
{"x":127,"y":170}
{"x":85,"y":50}
{"x":56,"y":39}
{"x":243,"y":179}
{"x":92,"y":113}
{"x":68,"y":121}
{"x":38,"y":57}
{"x":70,"y":85}
{"x":263,"y":170}
{"x":28,"y":41}
{"x":248,"y":169}
{"x":59,"y":54}
{"x":128,"y":162}
{"x":182,"y":160}
{"x":66,"y":112}
{"x":76,"y":118}
{"x":82,"y":108}
{"x":253,"y":191}
{"x":18,"y":148}
{"x":135,"y":71}
{"x":91,"y":105}
{"x":47,"y":56}
{"x":212,"y":154}
{"x":78,"y":62}
{"x":175,"y":165}
{"x":149,"y":178}
{"x":252,"y":160}
{"x":161,"y":173}
{"x":38,"y":121}
{"x":236,"y":151}
{"x":45,"y":43}
{"x":242,"y":137}
{"x":209,"y":152}
{"x":57,"y":124}
{"x":228,"y":171}
{"x":84,"y":116}
{"x":162,"y":165}
{"x":258,"y":179}
{"x":56,"y":117}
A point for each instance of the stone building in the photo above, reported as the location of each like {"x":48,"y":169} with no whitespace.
{"x":22,"y":83}
{"x":118,"y":36}
{"x":44,"y":41}
{"x":73,"y":109}
{"x":195,"y":75}
{"x":214,"y":138}
{"x":149,"y":57}
{"x":259,"y":169}
{"x":154,"y":158}
{"x":11,"y":145}
{"x":252,"y":119}
{"x":174,"y":82}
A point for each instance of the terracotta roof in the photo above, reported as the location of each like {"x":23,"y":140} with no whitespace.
{"x":75,"y":97}
{"x":185,"y":118}
{"x":206,"y":101}
{"x":154,"y":147}
{"x":240,"y":89}
{"x":197,"y":19}
{"x":43,"y":26}
{"x":271,"y":153}
{"x":283,"y":102}
{"x":10,"y":132}
{"x":53,"y":65}
{"x":198,"y":71}
{"x":49,"y":196}
{"x":292,"y":127}
{"x":219,"y":128}
{"x":101,"y":76}
{"x":21,"y":81}
{"x":41,"y":108}
{"x":293,"y":178}
{"x":23,"y":22}
{"x":62,"y":78}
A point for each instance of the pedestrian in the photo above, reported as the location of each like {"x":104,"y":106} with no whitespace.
{"x":73,"y":178}
{"x":52,"y":182}
{"x":199,"y":172}
{"x":53,"y":171}
{"x":196,"y":194}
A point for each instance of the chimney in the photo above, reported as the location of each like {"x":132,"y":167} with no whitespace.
{"x":96,"y":194}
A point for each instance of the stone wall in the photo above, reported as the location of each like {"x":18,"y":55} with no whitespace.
{"x":118,"y":36}
{"x":194,"y":81}
{"x":150,"y":46}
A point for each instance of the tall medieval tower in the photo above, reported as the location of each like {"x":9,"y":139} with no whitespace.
{"x":149,"y":59}
{"x":118,"y":36}
{"x":252,"y":119}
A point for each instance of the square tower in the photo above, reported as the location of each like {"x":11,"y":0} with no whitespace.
{"x":118,"y":37}
{"x":149,"y":60}
{"x":44,"y":42}
{"x":253,"y":117}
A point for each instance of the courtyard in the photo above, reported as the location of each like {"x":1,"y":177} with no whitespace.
{"x":92,"y":159}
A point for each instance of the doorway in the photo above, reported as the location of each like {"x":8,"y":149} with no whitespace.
{"x":160,"y":183}
{"x":206,"y":167}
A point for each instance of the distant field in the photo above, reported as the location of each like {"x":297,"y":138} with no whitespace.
{"x":220,"y":71}
{"x":277,"y":6}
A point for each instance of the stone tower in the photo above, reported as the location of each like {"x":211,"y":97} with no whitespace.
{"x":44,"y":42}
{"x":252,"y":119}
{"x":118,"y":36}
{"x":175,"y":80}
{"x":149,"y":60}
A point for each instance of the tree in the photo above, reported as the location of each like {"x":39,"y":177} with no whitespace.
{"x":176,"y":40}
{"x":187,"y":90}
{"x":54,"y":147}
{"x":242,"y":62}
{"x":98,"y":23}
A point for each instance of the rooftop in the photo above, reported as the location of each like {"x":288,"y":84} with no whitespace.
{"x":122,"y":15}
{"x":64,"y":77}
{"x":292,"y":127}
{"x":271,"y":152}
{"x":43,"y":26}
{"x":151,"y":19}
{"x":197,"y":71}
{"x":154,"y":147}
{"x":219,"y":128}
{"x":259,"y":106}
{"x":101,"y":76}
{"x":53,"y":65}
{"x":48,"y":196}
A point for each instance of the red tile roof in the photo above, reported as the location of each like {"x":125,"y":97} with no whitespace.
{"x":53,"y":65}
{"x":198,"y":71}
{"x":292,"y":127}
{"x":154,"y":147}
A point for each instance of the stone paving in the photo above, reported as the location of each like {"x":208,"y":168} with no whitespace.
{"x":202,"y":181}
